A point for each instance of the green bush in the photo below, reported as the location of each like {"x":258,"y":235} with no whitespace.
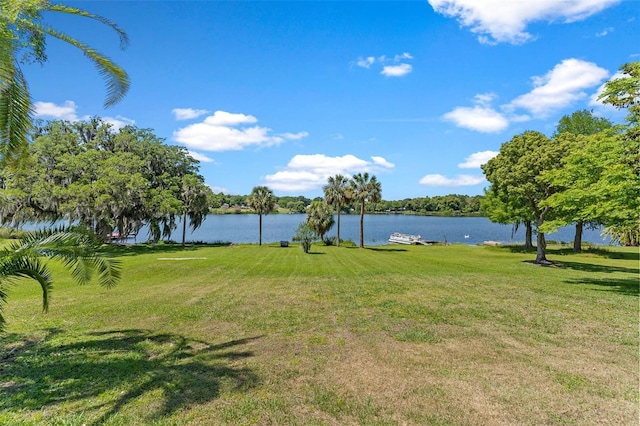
{"x":305,"y":235}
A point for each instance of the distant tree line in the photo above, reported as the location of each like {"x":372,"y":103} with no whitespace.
{"x":446,"y":205}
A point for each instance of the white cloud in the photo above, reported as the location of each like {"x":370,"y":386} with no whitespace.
{"x":479,"y":118}
{"x":188,"y":113}
{"x":505,"y":21}
{"x":309,"y":172}
{"x":294,"y":136}
{"x":460,"y":180}
{"x":382,"y":162}
{"x":219,"y":189}
{"x":557,"y":89}
{"x":560,"y":87}
{"x":405,"y":55}
{"x":68,"y":112}
{"x":118,"y":122}
{"x":224,"y":131}
{"x":223,"y":118}
{"x":604,"y":32}
{"x":477,"y":159}
{"x":391,"y":67}
{"x":396,"y":70}
{"x":365,"y":62}
{"x":200,"y":157}
{"x":58,"y":112}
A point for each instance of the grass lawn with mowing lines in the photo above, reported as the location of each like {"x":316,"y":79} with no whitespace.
{"x":382,"y":336}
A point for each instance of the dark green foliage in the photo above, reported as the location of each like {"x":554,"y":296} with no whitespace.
{"x":104,"y":179}
{"x":305,"y":235}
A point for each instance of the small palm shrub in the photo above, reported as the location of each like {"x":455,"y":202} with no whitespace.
{"x":305,"y":235}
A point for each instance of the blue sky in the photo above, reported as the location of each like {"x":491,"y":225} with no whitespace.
{"x":285,"y":94}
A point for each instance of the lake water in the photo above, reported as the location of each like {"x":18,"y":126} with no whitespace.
{"x":243,"y":228}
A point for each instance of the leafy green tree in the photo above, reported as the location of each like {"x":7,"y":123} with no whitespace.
{"x":336,"y":193}
{"x":625,"y":92}
{"x":499,"y":211}
{"x":601,"y":181}
{"x":195,"y":204}
{"x":320,"y":218}
{"x":107,"y":180}
{"x":364,"y":189}
{"x":516,"y":177}
{"x":569,"y":127}
{"x":262,"y":201}
{"x":22,"y":30}
{"x":582,"y":122}
{"x":76,"y":249}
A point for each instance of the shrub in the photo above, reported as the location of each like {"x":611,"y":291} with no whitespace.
{"x":305,"y":235}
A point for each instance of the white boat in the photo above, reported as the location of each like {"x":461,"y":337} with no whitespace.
{"x":398,"y":238}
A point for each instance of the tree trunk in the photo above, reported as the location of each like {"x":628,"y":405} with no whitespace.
{"x":541,"y":251}
{"x":362,"y":224}
{"x":184,"y":227}
{"x":528,"y":243}
{"x":260,"y":240}
{"x":577,"y":239}
{"x":338,"y":239}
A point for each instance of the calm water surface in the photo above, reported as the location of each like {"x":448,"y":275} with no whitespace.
{"x":243,"y":228}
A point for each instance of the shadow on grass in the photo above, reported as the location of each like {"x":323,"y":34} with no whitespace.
{"x":105,"y":371}
{"x":626,"y":286}
{"x":137,"y":249}
{"x":590,"y":267}
{"x":565,"y":251}
{"x":385,"y":249}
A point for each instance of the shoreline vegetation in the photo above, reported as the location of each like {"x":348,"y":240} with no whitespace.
{"x":235,"y":335}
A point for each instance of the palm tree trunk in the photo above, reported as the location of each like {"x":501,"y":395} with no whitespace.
{"x":260,"y":240}
{"x":338,"y":240}
{"x":577,"y":239}
{"x":362,"y":224}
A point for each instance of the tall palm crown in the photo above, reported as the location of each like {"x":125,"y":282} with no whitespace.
{"x":21,"y":28}
{"x":263,"y":202}
{"x":365,"y":189}
{"x":76,"y":249}
{"x":336,"y":193}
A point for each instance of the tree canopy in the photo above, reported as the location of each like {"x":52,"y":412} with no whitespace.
{"x":104,"y":179}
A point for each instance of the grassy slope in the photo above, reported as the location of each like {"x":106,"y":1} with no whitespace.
{"x":389,"y":335}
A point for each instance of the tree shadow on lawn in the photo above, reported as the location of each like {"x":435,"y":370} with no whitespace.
{"x":626,"y":286}
{"x":138,"y":249}
{"x":113,"y":368}
{"x":590,"y":267}
{"x":565,"y":251}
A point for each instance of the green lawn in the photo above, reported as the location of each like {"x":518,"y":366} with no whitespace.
{"x":383,"y":336}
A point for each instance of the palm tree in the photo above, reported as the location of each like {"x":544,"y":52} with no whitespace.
{"x":336,"y":193}
{"x":365,"y":190}
{"x":262,"y":201}
{"x":21,"y":25}
{"x":195,"y":204}
{"x":77,"y":249}
{"x":320,"y":218}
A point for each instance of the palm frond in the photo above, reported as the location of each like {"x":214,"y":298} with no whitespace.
{"x":77,"y":249}
{"x":117,"y":80}
{"x":15,"y":114}
{"x":14,"y":266}
{"x":124,"y":39}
